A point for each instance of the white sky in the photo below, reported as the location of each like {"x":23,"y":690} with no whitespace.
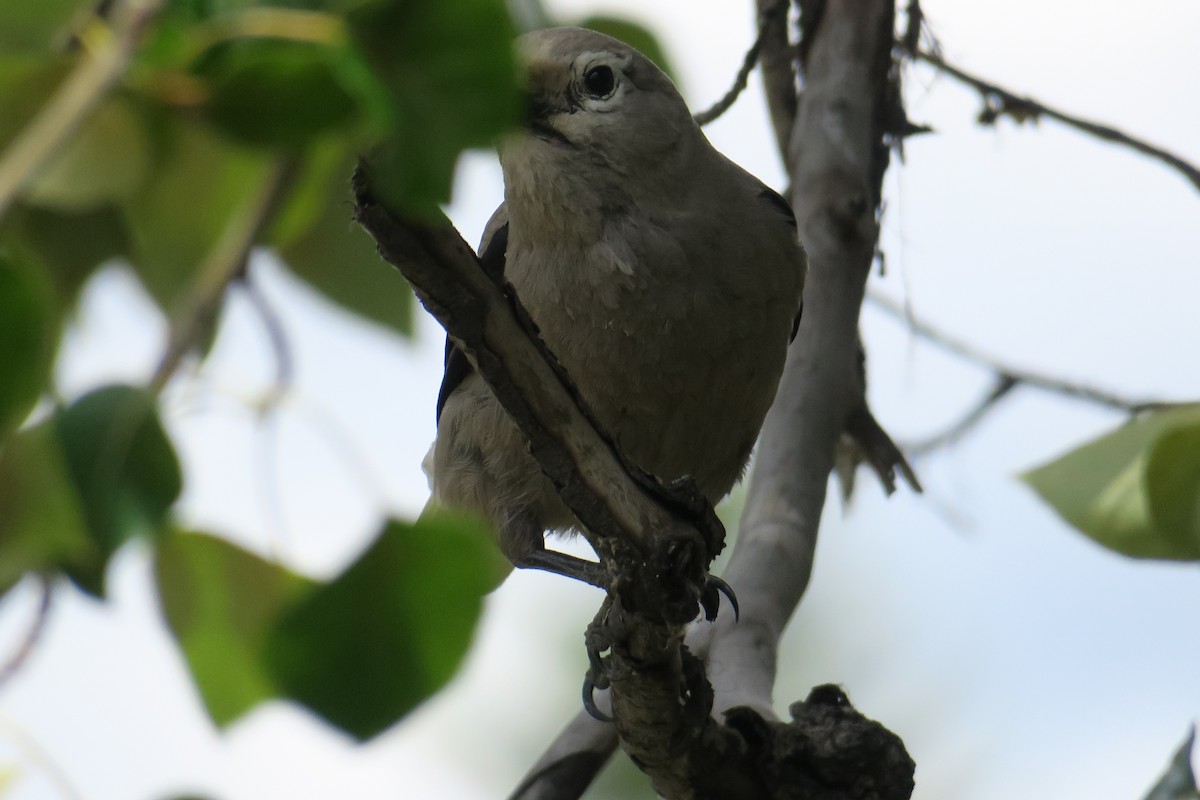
{"x":1014,"y":657}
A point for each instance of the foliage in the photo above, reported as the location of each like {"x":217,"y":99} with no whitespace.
{"x":234,"y":124}
{"x":166,"y":173}
{"x":217,"y":97}
{"x":1136,"y":490}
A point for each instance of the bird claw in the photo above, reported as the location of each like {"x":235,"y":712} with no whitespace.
{"x":596,"y":678}
{"x":589,"y":700}
{"x":710,"y":598}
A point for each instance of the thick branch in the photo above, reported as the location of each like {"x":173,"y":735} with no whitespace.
{"x":1001,"y":101}
{"x":487,"y":321}
{"x":835,"y":150}
{"x":572,"y":760}
{"x":657,"y":559}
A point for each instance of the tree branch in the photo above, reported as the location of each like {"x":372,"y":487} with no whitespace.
{"x":1010,"y":373}
{"x":1000,"y":101}
{"x":1002,"y":387}
{"x":778,"y":58}
{"x":657,"y":557}
{"x":771,"y":15}
{"x":34,"y":633}
{"x":836,"y":171}
{"x":660,"y":698}
{"x":832,"y":153}
{"x":572,"y":760}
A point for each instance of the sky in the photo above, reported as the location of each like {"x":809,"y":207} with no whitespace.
{"x":1015,"y":657}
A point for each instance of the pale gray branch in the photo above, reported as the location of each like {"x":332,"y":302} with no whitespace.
{"x":834,"y":152}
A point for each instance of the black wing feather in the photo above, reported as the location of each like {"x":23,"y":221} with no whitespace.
{"x":782,"y":206}
{"x":457,"y":365}
{"x":776,"y":199}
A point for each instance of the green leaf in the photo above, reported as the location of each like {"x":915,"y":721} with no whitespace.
{"x":631,"y":33}
{"x":364,"y":650}
{"x":41,"y":524}
{"x":220,"y":602}
{"x":1173,"y":486}
{"x":124,"y":470}
{"x":68,"y":246}
{"x":451,"y":73}
{"x":336,"y":257}
{"x":29,"y":334}
{"x":200,"y":181}
{"x":106,"y":160}
{"x":277,"y":93}
{"x":1135,"y":490}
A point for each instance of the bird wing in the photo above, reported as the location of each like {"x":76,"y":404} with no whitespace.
{"x":492,"y":258}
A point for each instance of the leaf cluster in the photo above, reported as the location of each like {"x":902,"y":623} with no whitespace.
{"x":220,"y":98}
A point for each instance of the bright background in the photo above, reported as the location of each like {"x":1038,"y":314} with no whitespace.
{"x":1014,"y":657}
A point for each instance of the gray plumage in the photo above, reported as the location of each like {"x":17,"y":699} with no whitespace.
{"x":664,"y":278}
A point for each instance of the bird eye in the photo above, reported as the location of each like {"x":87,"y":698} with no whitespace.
{"x":599,"y":81}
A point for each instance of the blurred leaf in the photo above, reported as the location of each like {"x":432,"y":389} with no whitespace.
{"x":452,"y":75}
{"x":105,"y":160}
{"x":41,"y":525}
{"x":323,"y":171}
{"x":277,"y":93}
{"x":220,"y":602}
{"x":123,"y":467}
{"x":29,"y":334}
{"x":1135,"y":490}
{"x":9,"y":775}
{"x":25,"y":83}
{"x":68,"y":246}
{"x":1173,"y":485}
{"x":631,"y":33}
{"x":36,"y":25}
{"x":338,"y":259}
{"x":365,"y":649}
{"x":1178,"y":782}
{"x":199,"y":183}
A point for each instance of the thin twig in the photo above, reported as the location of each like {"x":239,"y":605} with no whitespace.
{"x":33,"y":753}
{"x":743,"y":75}
{"x":107,"y":51}
{"x":33,"y":635}
{"x":1037,"y":380}
{"x":277,"y":336}
{"x":1001,"y":101}
{"x":1003,"y":386}
{"x":225,"y":263}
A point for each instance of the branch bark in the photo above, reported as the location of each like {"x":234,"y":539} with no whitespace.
{"x":660,"y":697}
{"x":778,"y":59}
{"x":658,"y":558}
{"x":834,"y":148}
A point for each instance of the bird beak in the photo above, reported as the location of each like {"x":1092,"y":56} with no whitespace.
{"x":543,"y":100}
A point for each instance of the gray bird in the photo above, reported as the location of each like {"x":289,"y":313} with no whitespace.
{"x":664,"y":278}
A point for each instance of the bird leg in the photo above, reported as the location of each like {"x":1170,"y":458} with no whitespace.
{"x":590,"y":572}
